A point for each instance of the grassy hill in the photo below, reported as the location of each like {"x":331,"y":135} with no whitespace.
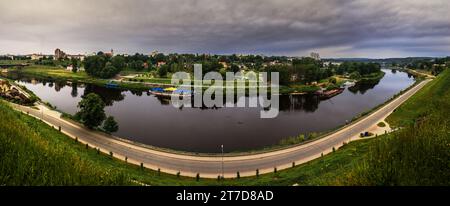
{"x":419,"y":154}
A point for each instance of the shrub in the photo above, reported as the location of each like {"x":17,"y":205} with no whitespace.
{"x":381,"y":124}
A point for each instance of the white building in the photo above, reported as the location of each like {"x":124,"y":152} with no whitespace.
{"x":37,"y":56}
{"x":327,"y":64}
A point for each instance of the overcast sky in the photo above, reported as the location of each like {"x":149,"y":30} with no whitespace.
{"x":334,"y":28}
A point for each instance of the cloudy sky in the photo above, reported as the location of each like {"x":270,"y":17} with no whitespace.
{"x":334,"y":28}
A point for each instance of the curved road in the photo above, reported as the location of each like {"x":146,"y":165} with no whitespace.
{"x":211,"y":166}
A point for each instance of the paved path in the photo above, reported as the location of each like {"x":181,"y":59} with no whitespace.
{"x":211,"y":166}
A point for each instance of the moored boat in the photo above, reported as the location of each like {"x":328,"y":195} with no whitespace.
{"x":171,"y":92}
{"x":330,"y":93}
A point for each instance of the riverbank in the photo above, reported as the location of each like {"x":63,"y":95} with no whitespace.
{"x":144,"y":84}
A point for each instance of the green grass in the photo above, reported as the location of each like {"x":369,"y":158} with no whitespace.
{"x":56,"y":73}
{"x":371,"y":78}
{"x":418,"y":154}
{"x":13,"y":61}
{"x":422,"y":102}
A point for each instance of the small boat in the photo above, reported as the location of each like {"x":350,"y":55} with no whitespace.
{"x":170,"y":92}
{"x":112,"y":85}
{"x":330,"y":93}
{"x":349,"y":84}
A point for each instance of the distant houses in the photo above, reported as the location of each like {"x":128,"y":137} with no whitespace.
{"x":160,"y":63}
{"x":37,"y":56}
{"x":70,"y":68}
{"x":59,"y":54}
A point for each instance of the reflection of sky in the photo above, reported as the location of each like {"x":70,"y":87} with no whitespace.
{"x":145,"y":119}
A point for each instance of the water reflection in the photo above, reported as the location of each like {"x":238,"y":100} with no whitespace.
{"x":74,"y":92}
{"x":109,"y":96}
{"x":362,"y":88}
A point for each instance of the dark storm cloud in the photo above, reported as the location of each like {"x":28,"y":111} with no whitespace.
{"x":292,"y":27}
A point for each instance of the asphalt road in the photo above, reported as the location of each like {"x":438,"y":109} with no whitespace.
{"x":211,"y":166}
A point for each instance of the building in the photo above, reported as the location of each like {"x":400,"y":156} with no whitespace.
{"x":224,"y":64}
{"x":59,"y":54}
{"x":37,"y":56}
{"x":159,"y":64}
{"x":327,"y":64}
{"x":110,"y":54}
{"x":77,"y":56}
{"x":154,"y":53}
{"x":315,"y":56}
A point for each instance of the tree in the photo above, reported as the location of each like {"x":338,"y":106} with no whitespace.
{"x":98,"y":66}
{"x":137,"y":65}
{"x":94,"y":64}
{"x":162,"y":71}
{"x":235,"y":68}
{"x":74,"y":65}
{"x":92,"y":111}
{"x":109,"y":71}
{"x":284,"y":73}
{"x":118,"y":62}
{"x":332,"y":80}
{"x":110,"y":125}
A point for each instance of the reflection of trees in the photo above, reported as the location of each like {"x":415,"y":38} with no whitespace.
{"x":137,"y":93}
{"x":74,"y":92}
{"x":59,"y":85}
{"x":108,"y":95}
{"x":308,"y":103}
{"x":163,"y":100}
{"x":362,"y":88}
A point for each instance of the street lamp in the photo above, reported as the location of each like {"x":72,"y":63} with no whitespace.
{"x":223,"y":176}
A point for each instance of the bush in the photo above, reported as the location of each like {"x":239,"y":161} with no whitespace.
{"x":110,"y":125}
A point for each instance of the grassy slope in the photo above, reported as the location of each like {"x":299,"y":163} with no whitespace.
{"x":32,"y":153}
{"x":421,"y":103}
{"x":419,"y":154}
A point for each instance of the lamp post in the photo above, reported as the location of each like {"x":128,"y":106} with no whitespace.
{"x":223,"y":176}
